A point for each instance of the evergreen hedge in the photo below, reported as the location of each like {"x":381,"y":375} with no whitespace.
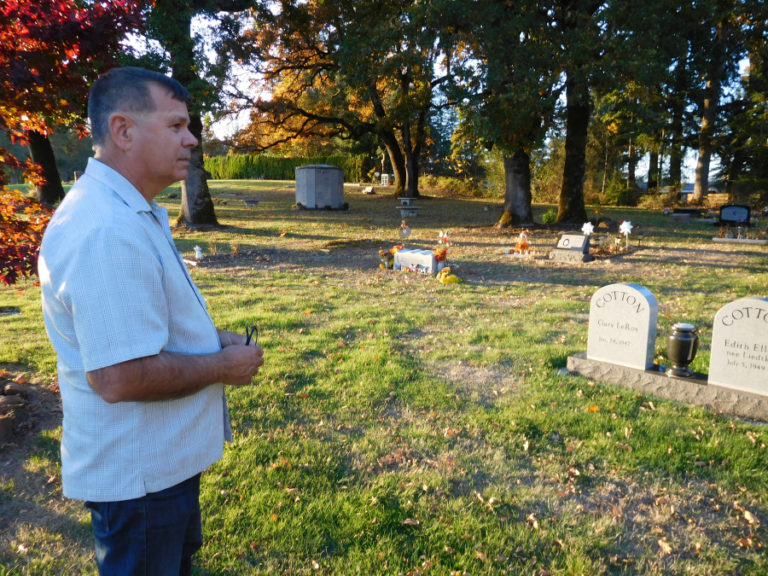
{"x":264,"y":167}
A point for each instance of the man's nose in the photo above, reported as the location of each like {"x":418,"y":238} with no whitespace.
{"x":189,"y":140}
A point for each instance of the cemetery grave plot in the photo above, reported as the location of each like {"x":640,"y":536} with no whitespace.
{"x":479,"y":253}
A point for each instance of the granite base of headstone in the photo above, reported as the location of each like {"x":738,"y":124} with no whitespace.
{"x":755,"y":241}
{"x":739,"y":349}
{"x":571,"y":248}
{"x":693,"y":391}
{"x":409,"y":211}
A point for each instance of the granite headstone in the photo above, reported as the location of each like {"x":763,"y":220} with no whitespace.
{"x":739,"y":350}
{"x":572,"y":247}
{"x":622,"y":326}
{"x":734,"y":215}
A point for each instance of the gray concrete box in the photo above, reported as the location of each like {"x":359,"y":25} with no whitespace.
{"x":320,"y":186}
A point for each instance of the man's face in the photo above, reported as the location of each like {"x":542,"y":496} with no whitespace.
{"x":164,"y":141}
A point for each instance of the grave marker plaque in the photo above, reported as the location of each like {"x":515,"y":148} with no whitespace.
{"x":739,"y":351}
{"x":571,"y":248}
{"x":622,"y":326}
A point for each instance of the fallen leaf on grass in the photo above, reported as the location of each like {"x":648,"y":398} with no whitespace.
{"x":665,"y":546}
{"x":751,"y":520}
{"x":411,"y":522}
{"x":532,"y":521}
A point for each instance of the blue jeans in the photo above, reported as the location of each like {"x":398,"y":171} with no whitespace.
{"x":155,"y":535}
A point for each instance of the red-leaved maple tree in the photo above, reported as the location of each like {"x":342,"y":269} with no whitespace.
{"x":22,"y":223}
{"x":50,"y":53}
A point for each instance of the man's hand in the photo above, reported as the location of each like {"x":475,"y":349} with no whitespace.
{"x":244,"y":362}
{"x":170,"y":375}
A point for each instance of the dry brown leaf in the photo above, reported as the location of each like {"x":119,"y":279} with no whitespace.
{"x":531,"y":519}
{"x":411,"y":522}
{"x":751,"y":520}
{"x":666,"y":547}
{"x":480,"y":555}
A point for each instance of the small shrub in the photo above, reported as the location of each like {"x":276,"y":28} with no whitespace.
{"x":447,"y":186}
{"x":549,"y":216}
{"x":616,"y":192}
{"x":656,"y":201}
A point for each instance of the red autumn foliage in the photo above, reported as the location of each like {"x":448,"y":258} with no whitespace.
{"x":22,"y":223}
{"x":50,"y":53}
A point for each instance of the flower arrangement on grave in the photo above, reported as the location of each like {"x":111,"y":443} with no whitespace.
{"x":387,"y":257}
{"x":522,"y":246}
{"x":610,"y":245}
{"x":441,"y":254}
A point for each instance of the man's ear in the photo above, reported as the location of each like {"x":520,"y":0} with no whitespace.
{"x":121,"y":130}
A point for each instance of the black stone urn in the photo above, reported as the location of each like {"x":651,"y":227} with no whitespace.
{"x":682,"y":345}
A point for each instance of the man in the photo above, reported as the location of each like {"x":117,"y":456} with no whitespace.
{"x":141,"y":366}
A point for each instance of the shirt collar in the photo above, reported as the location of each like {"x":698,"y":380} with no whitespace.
{"x":112,"y":179}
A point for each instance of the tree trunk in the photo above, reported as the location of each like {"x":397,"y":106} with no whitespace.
{"x":411,"y":174}
{"x":196,"y":204}
{"x":676,"y":151}
{"x":50,"y":191}
{"x":734,"y":169}
{"x":631,"y":164}
{"x":171,"y":20}
{"x":397,"y":161}
{"x":653,"y":171}
{"x":517,"y":190}
{"x":571,"y":205}
{"x":706,"y":143}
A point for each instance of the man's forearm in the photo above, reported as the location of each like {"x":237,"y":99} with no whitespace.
{"x":160,"y":377}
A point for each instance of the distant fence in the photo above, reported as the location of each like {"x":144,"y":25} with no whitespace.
{"x":262,"y":166}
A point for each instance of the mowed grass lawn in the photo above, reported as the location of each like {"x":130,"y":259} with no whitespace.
{"x":404,"y":426}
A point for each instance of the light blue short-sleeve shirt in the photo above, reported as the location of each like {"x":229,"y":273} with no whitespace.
{"x":114,"y":288}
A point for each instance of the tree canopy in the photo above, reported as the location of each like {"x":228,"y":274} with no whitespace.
{"x":50,"y":52}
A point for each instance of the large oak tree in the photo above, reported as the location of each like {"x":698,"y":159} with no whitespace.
{"x":347,"y":69}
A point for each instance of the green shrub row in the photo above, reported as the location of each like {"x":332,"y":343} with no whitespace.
{"x":265,"y":167}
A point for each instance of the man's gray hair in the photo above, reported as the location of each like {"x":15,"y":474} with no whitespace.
{"x":127,"y":90}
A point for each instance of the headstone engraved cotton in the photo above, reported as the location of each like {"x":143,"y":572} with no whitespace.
{"x":739,"y":351}
{"x":622,"y":326}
